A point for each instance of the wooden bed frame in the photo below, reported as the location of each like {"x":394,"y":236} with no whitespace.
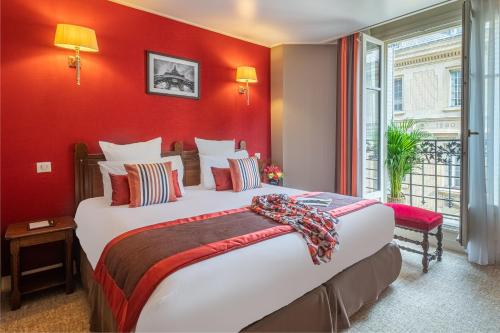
{"x":88,"y":180}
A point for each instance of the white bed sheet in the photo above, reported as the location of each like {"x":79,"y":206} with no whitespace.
{"x":228,"y":292}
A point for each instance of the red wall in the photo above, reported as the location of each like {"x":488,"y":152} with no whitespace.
{"x":44,"y":112}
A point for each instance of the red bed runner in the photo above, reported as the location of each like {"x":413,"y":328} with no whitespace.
{"x":134,"y":263}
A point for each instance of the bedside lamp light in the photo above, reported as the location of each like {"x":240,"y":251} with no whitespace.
{"x":76,"y":38}
{"x":246,"y":74}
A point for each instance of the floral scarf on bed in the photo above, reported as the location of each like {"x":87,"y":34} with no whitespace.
{"x":317,"y":227}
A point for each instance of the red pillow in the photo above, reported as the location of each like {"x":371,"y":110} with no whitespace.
{"x":177,"y":188}
{"x":121,"y":190}
{"x":222,"y":178}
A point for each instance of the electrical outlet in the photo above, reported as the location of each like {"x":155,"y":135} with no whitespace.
{"x":42,"y":167}
{"x":257,"y":155}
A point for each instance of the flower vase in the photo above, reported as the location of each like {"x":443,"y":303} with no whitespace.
{"x":274,"y":182}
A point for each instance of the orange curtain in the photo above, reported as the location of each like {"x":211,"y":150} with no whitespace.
{"x":347,"y":116}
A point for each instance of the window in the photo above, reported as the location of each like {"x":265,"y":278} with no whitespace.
{"x":429,"y":91}
{"x":455,"y":88}
{"x":371,"y":163}
{"x":398,"y":94}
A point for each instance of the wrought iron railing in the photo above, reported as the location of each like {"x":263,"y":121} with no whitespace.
{"x":372,"y":172}
{"x":435,"y":182}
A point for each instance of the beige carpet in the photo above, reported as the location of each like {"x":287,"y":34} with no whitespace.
{"x":454,"y":296}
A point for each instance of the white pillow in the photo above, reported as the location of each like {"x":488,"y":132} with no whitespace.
{"x":207,"y":162}
{"x":214,"y":147}
{"x":118,"y":168}
{"x":140,"y":151}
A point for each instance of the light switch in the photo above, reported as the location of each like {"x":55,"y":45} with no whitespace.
{"x":257,"y":155}
{"x":42,"y":167}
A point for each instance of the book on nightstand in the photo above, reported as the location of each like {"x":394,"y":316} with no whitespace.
{"x":40,"y":224}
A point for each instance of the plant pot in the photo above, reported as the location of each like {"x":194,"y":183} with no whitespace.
{"x":400,"y":200}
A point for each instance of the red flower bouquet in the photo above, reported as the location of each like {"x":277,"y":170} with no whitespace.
{"x":273,"y":174}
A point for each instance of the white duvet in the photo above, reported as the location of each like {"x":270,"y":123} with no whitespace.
{"x":228,"y":292}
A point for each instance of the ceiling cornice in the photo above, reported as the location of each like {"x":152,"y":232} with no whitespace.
{"x":123,"y":3}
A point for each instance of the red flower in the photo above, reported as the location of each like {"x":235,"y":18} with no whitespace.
{"x":273,"y":172}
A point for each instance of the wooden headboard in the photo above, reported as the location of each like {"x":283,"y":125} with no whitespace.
{"x":88,"y":179}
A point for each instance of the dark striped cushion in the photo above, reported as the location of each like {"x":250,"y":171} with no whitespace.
{"x":150,"y":184}
{"x":245,"y":173}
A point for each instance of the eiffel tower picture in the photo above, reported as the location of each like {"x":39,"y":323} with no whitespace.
{"x":172,"y":76}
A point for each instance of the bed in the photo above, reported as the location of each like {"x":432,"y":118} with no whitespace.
{"x":268,"y":286}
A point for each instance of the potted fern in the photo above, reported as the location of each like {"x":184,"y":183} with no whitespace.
{"x":402,"y":154}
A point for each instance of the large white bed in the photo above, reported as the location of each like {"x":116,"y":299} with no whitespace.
{"x":230,"y":291}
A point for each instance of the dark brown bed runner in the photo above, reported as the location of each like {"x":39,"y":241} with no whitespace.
{"x":134,"y":263}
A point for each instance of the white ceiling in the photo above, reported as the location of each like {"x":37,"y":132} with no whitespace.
{"x":272,"y":22}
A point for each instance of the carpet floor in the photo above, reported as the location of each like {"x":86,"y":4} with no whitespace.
{"x":455,"y":296}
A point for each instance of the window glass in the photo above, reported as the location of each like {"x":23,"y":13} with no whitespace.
{"x":372,"y":116}
{"x":398,"y":94}
{"x":456,"y":88}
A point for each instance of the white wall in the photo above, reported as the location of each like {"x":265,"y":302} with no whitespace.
{"x":303,"y":108}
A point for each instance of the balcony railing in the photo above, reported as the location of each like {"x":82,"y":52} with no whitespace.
{"x":435,"y":182}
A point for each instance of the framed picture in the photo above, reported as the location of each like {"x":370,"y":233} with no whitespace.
{"x":172,"y":76}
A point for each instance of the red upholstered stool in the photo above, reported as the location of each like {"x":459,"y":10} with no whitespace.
{"x":423,"y":221}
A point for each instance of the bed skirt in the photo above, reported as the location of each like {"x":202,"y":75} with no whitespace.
{"x":326,"y":308}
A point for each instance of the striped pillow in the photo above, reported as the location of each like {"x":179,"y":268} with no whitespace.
{"x":245,"y":173}
{"x":150,"y":183}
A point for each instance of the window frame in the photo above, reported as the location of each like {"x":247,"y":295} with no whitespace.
{"x":378,"y":194}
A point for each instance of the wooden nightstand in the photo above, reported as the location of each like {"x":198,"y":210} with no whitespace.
{"x":20,"y":236}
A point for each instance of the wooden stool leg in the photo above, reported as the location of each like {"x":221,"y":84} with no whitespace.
{"x":439,"y":237}
{"x":425,"y":247}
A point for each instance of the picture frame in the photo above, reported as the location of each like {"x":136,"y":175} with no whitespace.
{"x":172,"y":76}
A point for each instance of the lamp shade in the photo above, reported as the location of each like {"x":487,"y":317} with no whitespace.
{"x":70,"y":36}
{"x":246,"y":74}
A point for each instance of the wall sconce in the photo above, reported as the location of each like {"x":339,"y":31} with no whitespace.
{"x":76,"y":38}
{"x":246,"y":74}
